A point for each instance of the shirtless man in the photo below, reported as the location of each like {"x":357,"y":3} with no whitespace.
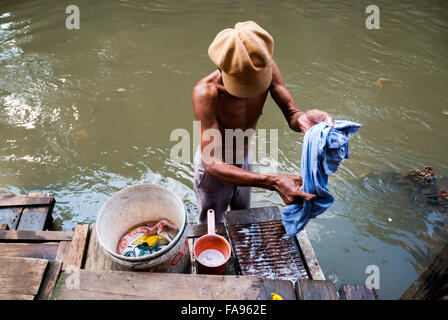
{"x":233,"y":97}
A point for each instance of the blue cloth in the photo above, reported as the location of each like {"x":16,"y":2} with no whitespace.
{"x":323,"y":150}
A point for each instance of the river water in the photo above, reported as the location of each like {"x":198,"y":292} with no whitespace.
{"x":85,"y":113}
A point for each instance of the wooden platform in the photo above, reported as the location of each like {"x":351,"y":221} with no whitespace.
{"x":432,"y":283}
{"x":39,"y":264}
{"x":26,"y":212}
{"x":97,"y":260}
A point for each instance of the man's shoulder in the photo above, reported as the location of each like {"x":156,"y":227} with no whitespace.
{"x":205,"y":90}
{"x":207,"y":87}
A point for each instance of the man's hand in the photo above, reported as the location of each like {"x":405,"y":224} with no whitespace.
{"x":289,"y":187}
{"x":311,"y":117}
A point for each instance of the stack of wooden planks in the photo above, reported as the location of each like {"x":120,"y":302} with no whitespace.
{"x":48,"y":252}
{"x":26,"y":212}
{"x":28,"y":254}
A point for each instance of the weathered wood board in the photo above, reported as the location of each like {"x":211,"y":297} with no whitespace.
{"x":35,"y":236}
{"x":21,"y":277}
{"x":193,"y":262}
{"x":96,"y":258}
{"x":10,"y":217}
{"x":106,"y":284}
{"x":253,"y":215}
{"x":35,"y":218}
{"x":307,"y":289}
{"x":49,"y":280}
{"x":198,"y":230}
{"x":283,"y":288}
{"x":62,"y":253}
{"x":77,"y":249}
{"x":13,"y":296}
{"x":314,"y":269}
{"x":33,"y":199}
{"x":432,"y":283}
{"x":31,"y":212}
{"x":356,"y":292}
{"x":45,"y":250}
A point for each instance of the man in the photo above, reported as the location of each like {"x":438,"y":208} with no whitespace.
{"x":233,"y":97}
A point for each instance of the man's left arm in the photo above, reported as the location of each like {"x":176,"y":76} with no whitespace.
{"x":298,"y":121}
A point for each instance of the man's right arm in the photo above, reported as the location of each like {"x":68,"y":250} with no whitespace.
{"x":205,"y":104}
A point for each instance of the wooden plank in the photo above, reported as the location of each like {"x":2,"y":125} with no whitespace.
{"x":315,"y":290}
{"x":21,"y":275}
{"x":45,"y":250}
{"x":8,"y":296}
{"x":356,"y":292}
{"x":10,"y":200}
{"x":62,"y":253}
{"x":10,"y":217}
{"x":193,"y":266}
{"x":49,"y":280}
{"x":314,"y":270}
{"x":283,"y":288}
{"x":432,"y":283}
{"x":198,"y":230}
{"x":253,"y":215}
{"x":78,"y":246}
{"x":4,"y":227}
{"x":13,"y":235}
{"x":96,"y":259}
{"x":230,"y":267}
{"x":34,"y":218}
{"x":158,"y":286}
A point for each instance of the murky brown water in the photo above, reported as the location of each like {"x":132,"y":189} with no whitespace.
{"x":85,"y":113}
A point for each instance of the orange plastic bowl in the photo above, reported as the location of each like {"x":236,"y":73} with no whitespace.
{"x":212,"y":241}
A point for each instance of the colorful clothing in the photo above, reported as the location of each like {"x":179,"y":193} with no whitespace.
{"x":148,"y":238}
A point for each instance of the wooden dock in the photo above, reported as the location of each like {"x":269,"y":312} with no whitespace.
{"x":40,"y":264}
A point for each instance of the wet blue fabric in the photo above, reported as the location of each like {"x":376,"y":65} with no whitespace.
{"x":323,"y":150}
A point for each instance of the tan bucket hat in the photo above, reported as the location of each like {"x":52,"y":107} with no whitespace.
{"x":243,"y":55}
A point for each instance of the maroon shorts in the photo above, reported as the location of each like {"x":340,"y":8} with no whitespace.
{"x":214,"y":194}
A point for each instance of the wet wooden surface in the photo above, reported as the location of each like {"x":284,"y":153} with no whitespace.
{"x":307,"y":289}
{"x":77,"y":249}
{"x":45,"y":250}
{"x":96,"y":258}
{"x":432,"y":283}
{"x":49,"y":280}
{"x":107,"y":284}
{"x":21,"y":277}
{"x":314,"y":270}
{"x":26,"y":212}
{"x":35,"y":236}
{"x":356,"y":292}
